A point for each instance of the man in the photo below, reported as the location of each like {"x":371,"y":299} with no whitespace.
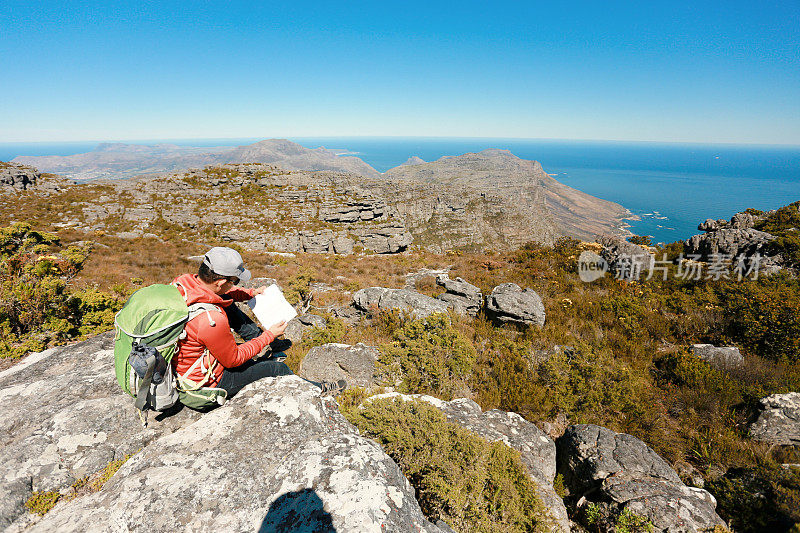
{"x":209,"y":355}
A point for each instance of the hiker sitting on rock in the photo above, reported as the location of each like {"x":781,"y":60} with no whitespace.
{"x":209,"y":357}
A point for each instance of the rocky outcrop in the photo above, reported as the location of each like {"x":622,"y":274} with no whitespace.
{"x":66,"y":418}
{"x":510,"y":303}
{"x":625,"y":260}
{"x":778,"y":421}
{"x":277,"y":457}
{"x":388,"y":239}
{"x":600,"y":465}
{"x":19,"y":177}
{"x":720,"y":357}
{"x":732,"y":242}
{"x":298,"y":326}
{"x":465,"y":298}
{"x":381,"y":298}
{"x":736,"y":244}
{"x":537,"y":450}
{"x":334,"y":361}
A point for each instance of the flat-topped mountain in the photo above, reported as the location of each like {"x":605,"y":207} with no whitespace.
{"x":495,"y":198}
{"x":118,"y":160}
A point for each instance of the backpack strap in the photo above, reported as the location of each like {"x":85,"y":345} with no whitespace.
{"x":187,"y":384}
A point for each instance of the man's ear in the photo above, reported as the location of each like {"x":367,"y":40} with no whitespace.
{"x":220,"y":282}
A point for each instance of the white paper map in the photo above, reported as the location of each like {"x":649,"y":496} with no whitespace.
{"x":270,"y":307}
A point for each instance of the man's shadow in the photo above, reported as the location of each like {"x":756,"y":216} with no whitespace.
{"x":299,"y":511}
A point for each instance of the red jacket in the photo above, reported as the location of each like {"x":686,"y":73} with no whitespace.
{"x":217,"y":338}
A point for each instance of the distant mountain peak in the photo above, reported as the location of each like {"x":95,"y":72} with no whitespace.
{"x":414,"y":160}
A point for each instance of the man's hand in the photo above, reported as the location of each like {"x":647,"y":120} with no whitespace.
{"x":278,"y":329}
{"x":259,"y":290}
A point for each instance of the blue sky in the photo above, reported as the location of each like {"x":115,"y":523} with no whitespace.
{"x":664,"y":71}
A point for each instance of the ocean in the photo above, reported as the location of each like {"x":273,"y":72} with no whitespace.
{"x":671,"y":186}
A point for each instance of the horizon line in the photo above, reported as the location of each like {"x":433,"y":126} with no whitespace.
{"x":260,"y":138}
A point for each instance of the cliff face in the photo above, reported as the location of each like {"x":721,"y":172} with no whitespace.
{"x":493,"y":199}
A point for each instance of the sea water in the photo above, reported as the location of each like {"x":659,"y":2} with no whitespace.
{"x":670,"y":186}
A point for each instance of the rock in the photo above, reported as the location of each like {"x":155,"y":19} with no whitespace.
{"x":412,"y":278}
{"x":722,"y":357}
{"x":387,"y":239}
{"x":731,"y":242}
{"x":18,"y":177}
{"x":537,"y":450}
{"x":509,"y":303}
{"x":129,"y":235}
{"x":66,"y":417}
{"x":343,"y":245}
{"x":742,"y":221}
{"x":709,"y":225}
{"x":333,"y":361}
{"x":465,"y":298}
{"x":278,"y":457}
{"x":779,"y":420}
{"x":601,"y":465}
{"x":300,"y":325}
{"x":382,"y":298}
{"x":625,"y":260}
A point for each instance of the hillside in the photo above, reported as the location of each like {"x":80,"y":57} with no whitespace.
{"x":118,"y":160}
{"x":494,"y":198}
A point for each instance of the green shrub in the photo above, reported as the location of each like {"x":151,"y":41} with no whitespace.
{"x":459,"y":478}
{"x":334,"y":331}
{"x":600,"y":518}
{"x":586,"y":384}
{"x":428,"y":356}
{"x":297,"y":289}
{"x":643,"y":240}
{"x":37,"y":305}
{"x":761,"y":498}
{"x":764,"y":316}
{"x":41,"y":502}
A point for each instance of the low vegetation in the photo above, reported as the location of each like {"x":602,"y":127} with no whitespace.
{"x":42,"y":502}
{"x":38,"y":304}
{"x":461,"y":479}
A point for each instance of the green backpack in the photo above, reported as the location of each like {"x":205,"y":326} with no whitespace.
{"x":148,"y":329}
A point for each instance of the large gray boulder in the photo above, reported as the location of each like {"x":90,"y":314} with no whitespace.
{"x":419,"y":305}
{"x":537,"y":450}
{"x":779,"y":419}
{"x":19,"y":177}
{"x":65,"y":417}
{"x":277,"y":457}
{"x":720,"y":357}
{"x":509,"y":303}
{"x":600,"y":465}
{"x":334,"y":361}
{"x":625,"y":260}
{"x":465,"y":298}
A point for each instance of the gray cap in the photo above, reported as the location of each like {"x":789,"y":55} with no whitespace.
{"x":226,"y":262}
